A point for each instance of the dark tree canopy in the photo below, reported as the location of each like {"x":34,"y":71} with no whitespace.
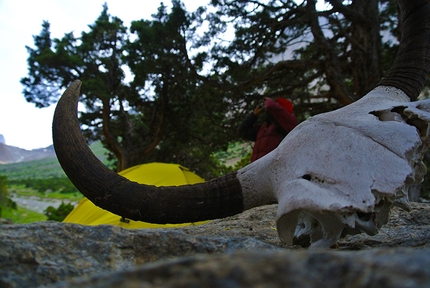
{"x":175,"y":88}
{"x":322,"y":59}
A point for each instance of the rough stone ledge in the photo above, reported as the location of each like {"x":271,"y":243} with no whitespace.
{"x":230,"y":252}
{"x":379,"y":268}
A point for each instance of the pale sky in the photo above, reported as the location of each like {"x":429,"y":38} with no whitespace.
{"x":21,"y":123}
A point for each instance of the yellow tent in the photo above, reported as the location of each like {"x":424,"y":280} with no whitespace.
{"x":158,"y":174}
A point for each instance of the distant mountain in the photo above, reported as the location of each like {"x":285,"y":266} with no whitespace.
{"x":46,"y":166}
{"x":11,"y":154}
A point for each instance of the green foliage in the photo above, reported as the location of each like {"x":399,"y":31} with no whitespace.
{"x":62,"y":185}
{"x":5,"y":201}
{"x":60,"y":213}
{"x":235,"y":157}
{"x":22,"y":215}
{"x":165,"y":114}
{"x":185,"y":123}
{"x":43,"y":168}
{"x":3,"y":190}
{"x":243,"y":162}
{"x":235,"y":151}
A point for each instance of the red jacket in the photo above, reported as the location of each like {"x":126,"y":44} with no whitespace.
{"x":268,"y":135}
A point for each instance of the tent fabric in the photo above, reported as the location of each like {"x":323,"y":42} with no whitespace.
{"x":158,"y":174}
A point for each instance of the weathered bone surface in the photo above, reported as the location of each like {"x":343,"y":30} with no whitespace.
{"x":340,"y":173}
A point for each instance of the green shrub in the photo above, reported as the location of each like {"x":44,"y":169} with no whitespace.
{"x":62,"y":184}
{"x":60,"y":213}
{"x":5,"y":201}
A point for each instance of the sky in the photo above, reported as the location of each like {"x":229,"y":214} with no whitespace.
{"x":21,"y":123}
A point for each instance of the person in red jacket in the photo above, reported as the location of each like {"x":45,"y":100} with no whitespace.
{"x":267,"y":136}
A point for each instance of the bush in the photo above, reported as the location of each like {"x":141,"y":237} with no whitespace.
{"x":62,"y":184}
{"x":60,"y":213}
{"x":5,"y":201}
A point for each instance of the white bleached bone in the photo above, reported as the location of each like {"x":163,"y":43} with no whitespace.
{"x":340,"y":172}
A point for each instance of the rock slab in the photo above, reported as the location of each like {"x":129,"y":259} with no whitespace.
{"x":238,"y":251}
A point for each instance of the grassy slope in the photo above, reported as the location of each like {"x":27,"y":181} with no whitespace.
{"x":43,"y":168}
{"x":23,"y":216}
{"x":38,"y":169}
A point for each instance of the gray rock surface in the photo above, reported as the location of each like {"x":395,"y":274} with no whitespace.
{"x":238,"y":251}
{"x":379,"y":268}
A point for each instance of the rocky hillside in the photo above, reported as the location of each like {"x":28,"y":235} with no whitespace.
{"x":11,"y":154}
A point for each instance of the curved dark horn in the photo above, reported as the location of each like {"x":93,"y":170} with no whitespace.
{"x":190,"y":203}
{"x":412,"y":64}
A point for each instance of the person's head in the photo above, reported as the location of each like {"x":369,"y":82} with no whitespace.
{"x":285,"y":103}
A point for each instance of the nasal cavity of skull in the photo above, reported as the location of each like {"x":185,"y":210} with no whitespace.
{"x":395,"y":114}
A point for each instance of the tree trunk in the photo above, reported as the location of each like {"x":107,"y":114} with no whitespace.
{"x":366,"y":47}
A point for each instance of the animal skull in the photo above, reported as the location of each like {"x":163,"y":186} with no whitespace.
{"x":341,"y":172}
{"x":335,"y":174}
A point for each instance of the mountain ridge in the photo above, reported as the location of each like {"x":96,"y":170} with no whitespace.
{"x":12,"y":154}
